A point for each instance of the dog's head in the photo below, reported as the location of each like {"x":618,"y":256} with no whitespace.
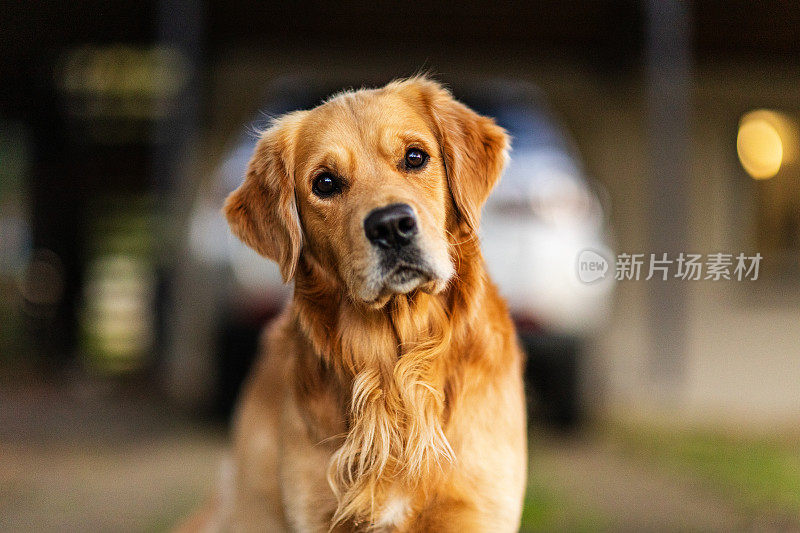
{"x":375,"y":186}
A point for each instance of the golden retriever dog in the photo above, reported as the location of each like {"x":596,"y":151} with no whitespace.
{"x":389,"y":395}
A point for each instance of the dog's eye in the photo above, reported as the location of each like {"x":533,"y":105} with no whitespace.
{"x":415,"y":158}
{"x":326,"y":185}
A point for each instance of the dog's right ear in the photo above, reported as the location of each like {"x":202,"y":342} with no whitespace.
{"x":262,"y":212}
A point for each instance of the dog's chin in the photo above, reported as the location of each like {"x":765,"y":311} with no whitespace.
{"x":403,"y":280}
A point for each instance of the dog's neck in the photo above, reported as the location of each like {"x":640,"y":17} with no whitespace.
{"x":389,"y":370}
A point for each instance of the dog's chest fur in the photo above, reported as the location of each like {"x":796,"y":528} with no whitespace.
{"x":389,"y":400}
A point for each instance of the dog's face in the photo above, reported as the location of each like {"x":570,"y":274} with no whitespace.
{"x":372,"y":193}
{"x":371,"y":186}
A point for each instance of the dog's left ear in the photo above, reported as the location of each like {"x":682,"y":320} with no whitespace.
{"x":262,"y":212}
{"x":474,"y":148}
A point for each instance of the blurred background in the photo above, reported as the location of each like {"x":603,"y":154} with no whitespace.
{"x":129,"y":316}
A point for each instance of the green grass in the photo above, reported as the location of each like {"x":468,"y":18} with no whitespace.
{"x":546,"y":509}
{"x":179,"y":510}
{"x":760,"y":474}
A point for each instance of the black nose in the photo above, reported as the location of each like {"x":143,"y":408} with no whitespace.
{"x":392,"y":226}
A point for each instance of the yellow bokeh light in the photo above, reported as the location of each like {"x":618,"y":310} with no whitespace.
{"x":765,"y":142}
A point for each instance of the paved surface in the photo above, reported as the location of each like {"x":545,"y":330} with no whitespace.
{"x":134,"y":487}
{"x":92,"y":459}
{"x":88,"y":457}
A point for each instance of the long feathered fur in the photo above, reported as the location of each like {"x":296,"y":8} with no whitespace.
{"x":394,"y":361}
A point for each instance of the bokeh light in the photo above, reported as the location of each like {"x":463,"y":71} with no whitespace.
{"x":766,"y":142}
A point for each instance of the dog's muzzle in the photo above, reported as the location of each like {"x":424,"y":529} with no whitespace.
{"x":393,"y":232}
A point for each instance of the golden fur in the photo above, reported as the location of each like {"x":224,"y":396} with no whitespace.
{"x":373,"y":409}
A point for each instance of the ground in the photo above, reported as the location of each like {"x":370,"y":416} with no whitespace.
{"x":94,"y":458}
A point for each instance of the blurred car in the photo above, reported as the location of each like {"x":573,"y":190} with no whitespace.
{"x":541,"y":215}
